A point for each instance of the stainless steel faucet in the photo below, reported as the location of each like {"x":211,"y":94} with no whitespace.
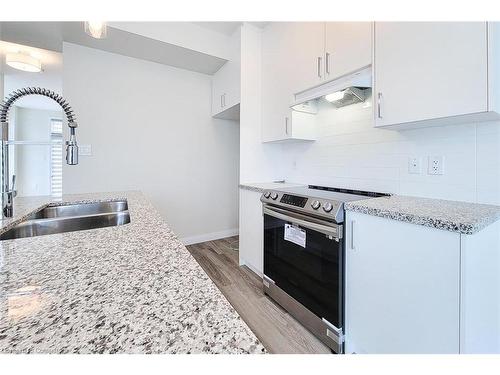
{"x":8,"y":191}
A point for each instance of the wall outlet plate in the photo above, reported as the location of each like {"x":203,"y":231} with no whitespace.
{"x":414,"y":165}
{"x":436,"y":165}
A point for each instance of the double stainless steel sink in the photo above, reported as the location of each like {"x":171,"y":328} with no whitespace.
{"x":70,"y":218}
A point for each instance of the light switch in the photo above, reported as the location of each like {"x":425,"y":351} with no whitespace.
{"x":414,"y":165}
{"x":85,"y":150}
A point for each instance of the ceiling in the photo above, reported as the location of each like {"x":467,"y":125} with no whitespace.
{"x":50,"y":77}
{"x":227,"y":28}
{"x":50,"y":35}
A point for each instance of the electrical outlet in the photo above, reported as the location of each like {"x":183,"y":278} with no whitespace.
{"x":436,"y":165}
{"x":414,"y":165}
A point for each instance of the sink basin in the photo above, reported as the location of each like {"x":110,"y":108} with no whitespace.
{"x":70,"y":218}
{"x":79,"y":209}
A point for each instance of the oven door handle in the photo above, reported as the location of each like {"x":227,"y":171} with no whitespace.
{"x":335,"y":230}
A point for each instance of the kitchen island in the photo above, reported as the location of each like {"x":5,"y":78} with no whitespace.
{"x":132,"y":288}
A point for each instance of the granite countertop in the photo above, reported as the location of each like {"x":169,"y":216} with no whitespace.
{"x":454,"y":216}
{"x":127,"y":289}
{"x":261,"y":186}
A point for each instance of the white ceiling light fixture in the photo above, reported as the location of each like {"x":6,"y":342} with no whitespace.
{"x":23,"y":61}
{"x":96,"y":29}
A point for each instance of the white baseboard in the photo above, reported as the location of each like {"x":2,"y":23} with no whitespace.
{"x":252,"y":268}
{"x":209,"y":236}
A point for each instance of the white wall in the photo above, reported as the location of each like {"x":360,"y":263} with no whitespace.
{"x":150,"y":129}
{"x":258,"y":161}
{"x":1,"y":82}
{"x":32,"y":162}
{"x":350,"y":153}
{"x":1,"y":86}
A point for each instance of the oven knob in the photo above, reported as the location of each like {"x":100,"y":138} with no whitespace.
{"x":327,"y":207}
{"x":267,"y":194}
{"x":315,"y":205}
{"x":274,"y":196}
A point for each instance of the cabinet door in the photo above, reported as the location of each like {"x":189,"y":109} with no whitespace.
{"x":288,"y":66}
{"x":276,"y":88}
{"x":402,"y":287}
{"x":231,"y":90}
{"x":348,"y":47}
{"x":226,"y":87}
{"x":251,"y":249}
{"x":429,"y":70}
{"x":304,"y":55}
{"x":217,"y":91}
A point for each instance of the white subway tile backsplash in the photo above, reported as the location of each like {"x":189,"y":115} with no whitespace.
{"x":351,"y":153}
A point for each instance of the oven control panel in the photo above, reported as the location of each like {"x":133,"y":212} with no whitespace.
{"x":316,"y":206}
{"x":294,"y":200}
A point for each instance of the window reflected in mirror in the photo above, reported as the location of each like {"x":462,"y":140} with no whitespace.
{"x":35,"y":124}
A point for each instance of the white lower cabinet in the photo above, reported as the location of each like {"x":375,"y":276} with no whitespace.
{"x":402,"y":287}
{"x":251,"y":231}
{"x":416,"y":289}
{"x":480,"y":292}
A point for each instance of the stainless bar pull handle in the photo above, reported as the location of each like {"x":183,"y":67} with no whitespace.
{"x":334,"y":231}
{"x":224,"y":100}
{"x":379,"y":105}
{"x":286,"y":125}
{"x":221,"y":105}
{"x":319,"y":66}
{"x":327,"y":63}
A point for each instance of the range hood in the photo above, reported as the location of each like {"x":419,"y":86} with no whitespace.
{"x":343,"y":91}
{"x":350,"y":95}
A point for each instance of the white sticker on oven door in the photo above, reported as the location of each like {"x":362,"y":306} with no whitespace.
{"x":295,"y":235}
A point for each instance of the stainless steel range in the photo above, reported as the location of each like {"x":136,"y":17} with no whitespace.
{"x":304,"y":256}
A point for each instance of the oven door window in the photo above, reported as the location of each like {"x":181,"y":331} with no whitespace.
{"x":311,"y":274}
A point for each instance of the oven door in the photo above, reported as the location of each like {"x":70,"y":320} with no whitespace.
{"x":303,"y":256}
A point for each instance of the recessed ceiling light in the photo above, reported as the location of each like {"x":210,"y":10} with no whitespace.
{"x":96,"y":29}
{"x":24,"y":62}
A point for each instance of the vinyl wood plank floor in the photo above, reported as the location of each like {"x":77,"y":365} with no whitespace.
{"x":278,"y":331}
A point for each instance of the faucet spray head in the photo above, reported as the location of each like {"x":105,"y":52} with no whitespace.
{"x":72,"y":149}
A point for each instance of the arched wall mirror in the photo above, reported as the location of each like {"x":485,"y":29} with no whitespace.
{"x":35,"y":122}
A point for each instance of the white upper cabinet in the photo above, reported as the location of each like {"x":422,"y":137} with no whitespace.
{"x":348,"y":47}
{"x":226,"y":84}
{"x":322,"y":51}
{"x":425,"y":72}
{"x":226,"y":90}
{"x":294,"y":59}
{"x":279,"y":79}
{"x":305,"y":63}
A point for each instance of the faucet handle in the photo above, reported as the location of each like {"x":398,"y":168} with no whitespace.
{"x":13,"y":188}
